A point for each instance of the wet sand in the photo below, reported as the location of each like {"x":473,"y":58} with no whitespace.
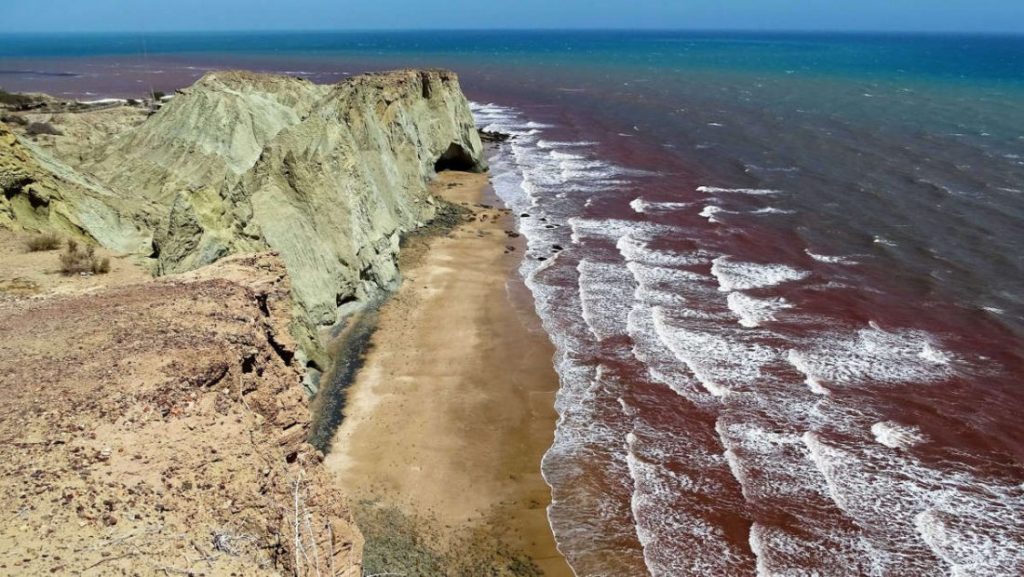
{"x":452,"y":411}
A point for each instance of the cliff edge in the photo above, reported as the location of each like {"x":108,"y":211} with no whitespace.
{"x":329,"y":177}
{"x":159,"y":427}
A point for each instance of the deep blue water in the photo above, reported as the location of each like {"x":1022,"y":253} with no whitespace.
{"x":877,"y":56}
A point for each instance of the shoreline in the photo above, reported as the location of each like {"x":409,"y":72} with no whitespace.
{"x":447,"y":420}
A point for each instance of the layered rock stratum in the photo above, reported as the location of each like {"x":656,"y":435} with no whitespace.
{"x":330,"y":177}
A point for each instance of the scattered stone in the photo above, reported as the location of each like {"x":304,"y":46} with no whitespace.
{"x":493,"y":136}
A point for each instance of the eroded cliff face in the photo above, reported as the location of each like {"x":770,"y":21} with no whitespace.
{"x":330,"y":177}
{"x":40,"y":193}
{"x":334,"y":193}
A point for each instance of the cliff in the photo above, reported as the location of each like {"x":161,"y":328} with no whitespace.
{"x":40,"y":193}
{"x":329,"y":177}
{"x":158,"y":427}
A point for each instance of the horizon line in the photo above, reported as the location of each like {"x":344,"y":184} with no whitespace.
{"x":516,"y":29}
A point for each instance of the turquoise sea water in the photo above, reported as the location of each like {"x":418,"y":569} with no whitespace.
{"x":789,"y":311}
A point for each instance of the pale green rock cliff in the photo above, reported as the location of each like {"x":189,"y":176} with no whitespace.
{"x":330,"y":177}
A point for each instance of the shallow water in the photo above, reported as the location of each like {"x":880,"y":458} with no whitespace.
{"x":784,"y":273}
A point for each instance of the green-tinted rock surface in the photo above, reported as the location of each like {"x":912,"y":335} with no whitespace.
{"x":330,"y":177}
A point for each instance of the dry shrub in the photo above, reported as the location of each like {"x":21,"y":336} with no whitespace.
{"x":18,"y":101}
{"x":43,"y":242}
{"x":78,"y":260}
{"x":37,"y":128}
{"x":13,"y":119}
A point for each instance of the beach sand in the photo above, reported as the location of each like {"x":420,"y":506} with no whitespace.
{"x":452,"y":411}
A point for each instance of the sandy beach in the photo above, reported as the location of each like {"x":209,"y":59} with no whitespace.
{"x":452,"y":411}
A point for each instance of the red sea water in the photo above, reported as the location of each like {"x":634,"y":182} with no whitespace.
{"x":786,"y":287}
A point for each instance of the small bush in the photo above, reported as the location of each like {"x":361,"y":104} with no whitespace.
{"x":14,"y":119}
{"x":157,"y":95}
{"x":76,"y":260}
{"x":37,"y":128}
{"x":43,"y":242}
{"x":16,"y":100}
{"x":101,"y":265}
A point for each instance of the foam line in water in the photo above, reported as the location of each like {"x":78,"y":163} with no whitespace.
{"x":642,"y":206}
{"x":750,"y":191}
{"x":735,"y":275}
{"x":830,"y":259}
{"x":615,"y":228}
{"x":633,"y":248}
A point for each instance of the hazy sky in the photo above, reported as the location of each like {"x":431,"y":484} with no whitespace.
{"x":156,"y":15}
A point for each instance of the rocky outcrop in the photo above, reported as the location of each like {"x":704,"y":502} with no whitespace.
{"x":40,"y":193}
{"x":330,"y":177}
{"x":210,"y":132}
{"x":334,"y":193}
{"x":160,"y":428}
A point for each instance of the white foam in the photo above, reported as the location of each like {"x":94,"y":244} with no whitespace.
{"x":800,"y":363}
{"x":103,"y":101}
{"x":773,"y":210}
{"x":933,"y":355}
{"x":722,"y":364}
{"x":606,"y":291}
{"x":552,"y":144}
{"x":970,"y":524}
{"x":736,"y":275}
{"x":897,"y":436}
{"x":637,"y":249}
{"x":670,"y":505}
{"x":751,"y":191}
{"x":753,"y":312}
{"x":873,"y":355}
{"x":661,"y":363}
{"x":641,"y":206}
{"x":615,"y":228}
{"x":830,"y":259}
{"x":710,"y":211}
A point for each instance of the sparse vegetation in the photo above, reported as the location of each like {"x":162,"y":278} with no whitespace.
{"x":14,"y":119}
{"x":37,"y":128}
{"x":79,"y":260}
{"x":43,"y":242}
{"x":401,"y":544}
{"x":17,"y":101}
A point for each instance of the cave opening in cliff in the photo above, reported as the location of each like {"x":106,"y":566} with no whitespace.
{"x":455,"y":158}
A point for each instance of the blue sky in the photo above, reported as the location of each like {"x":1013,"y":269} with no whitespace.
{"x":158,"y":15}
